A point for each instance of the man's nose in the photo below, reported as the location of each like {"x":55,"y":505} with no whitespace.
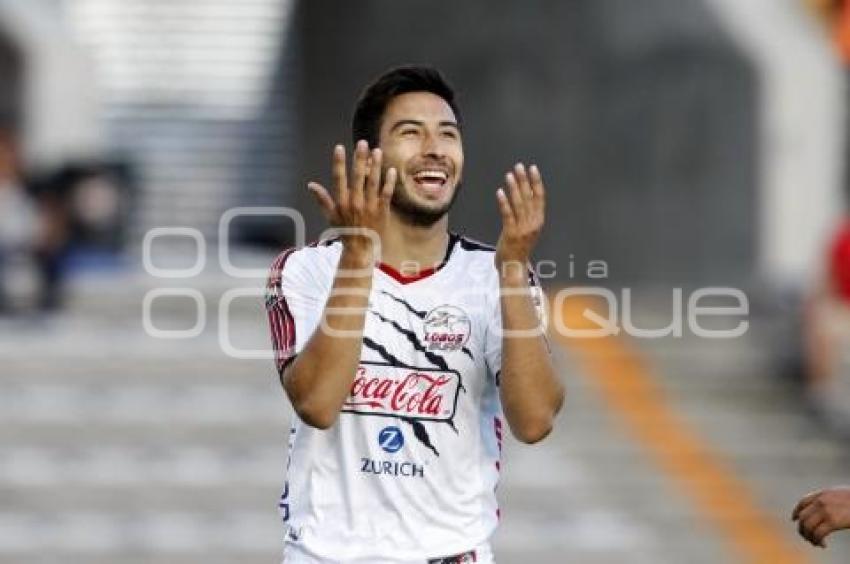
{"x":432,"y":146}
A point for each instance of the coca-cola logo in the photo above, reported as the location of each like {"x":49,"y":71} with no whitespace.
{"x":415,"y":393}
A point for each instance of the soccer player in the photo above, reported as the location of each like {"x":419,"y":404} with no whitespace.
{"x":402,"y":346}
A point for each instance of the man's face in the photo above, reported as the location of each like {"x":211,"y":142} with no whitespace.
{"x":420,"y":137}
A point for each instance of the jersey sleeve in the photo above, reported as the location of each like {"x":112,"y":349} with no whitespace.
{"x":294,"y":305}
{"x":493,"y":340}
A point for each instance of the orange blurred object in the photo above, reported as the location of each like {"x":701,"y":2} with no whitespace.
{"x":842,"y":31}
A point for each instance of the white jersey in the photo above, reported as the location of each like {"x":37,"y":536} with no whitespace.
{"x":409,"y":471}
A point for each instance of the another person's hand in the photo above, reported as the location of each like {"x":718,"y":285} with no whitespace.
{"x":522,"y":207}
{"x":359,"y":201}
{"x":822,"y":512}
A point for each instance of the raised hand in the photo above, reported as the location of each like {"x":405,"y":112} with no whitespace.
{"x":523,"y":213}
{"x":360,"y":201}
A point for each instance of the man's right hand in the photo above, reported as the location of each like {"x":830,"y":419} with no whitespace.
{"x":319,"y":379}
{"x":359,"y":202}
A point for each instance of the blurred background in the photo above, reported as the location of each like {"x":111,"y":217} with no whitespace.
{"x":686,"y":144}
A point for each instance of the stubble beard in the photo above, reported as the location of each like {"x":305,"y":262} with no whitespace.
{"x":415,"y":214}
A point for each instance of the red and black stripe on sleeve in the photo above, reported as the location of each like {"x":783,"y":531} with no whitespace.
{"x":281,"y":321}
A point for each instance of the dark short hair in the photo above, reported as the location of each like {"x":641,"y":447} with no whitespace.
{"x":370,"y":108}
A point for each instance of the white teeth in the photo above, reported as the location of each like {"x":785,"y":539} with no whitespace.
{"x":431,"y":175}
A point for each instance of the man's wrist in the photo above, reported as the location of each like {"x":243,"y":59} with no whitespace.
{"x":513,"y":272}
{"x":357,"y":255}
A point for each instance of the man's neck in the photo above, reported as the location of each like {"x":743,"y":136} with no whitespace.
{"x":410,"y":249}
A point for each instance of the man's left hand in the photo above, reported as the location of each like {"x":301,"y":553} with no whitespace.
{"x":522,"y":206}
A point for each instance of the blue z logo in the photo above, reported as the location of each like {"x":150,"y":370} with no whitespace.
{"x":391,"y":439}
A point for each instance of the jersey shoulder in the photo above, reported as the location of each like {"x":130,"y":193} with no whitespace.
{"x":471,"y":251}
{"x":309,"y":266}
{"x":319,"y":255}
{"x":474,"y":245}
{"x":481,"y":255}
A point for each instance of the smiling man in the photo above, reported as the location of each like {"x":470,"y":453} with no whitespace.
{"x":402,"y":346}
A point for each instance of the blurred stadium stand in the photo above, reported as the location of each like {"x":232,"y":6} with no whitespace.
{"x":59,"y":115}
{"x":11,"y":69}
{"x":200,"y":96}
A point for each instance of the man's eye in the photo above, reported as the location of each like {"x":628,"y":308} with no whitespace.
{"x":450,"y":133}
{"x":409,"y":132}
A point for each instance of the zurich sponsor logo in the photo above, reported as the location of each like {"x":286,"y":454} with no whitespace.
{"x":391,"y":439}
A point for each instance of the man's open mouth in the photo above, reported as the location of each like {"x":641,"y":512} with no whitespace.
{"x":431,"y":179}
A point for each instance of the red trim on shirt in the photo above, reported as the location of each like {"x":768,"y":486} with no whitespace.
{"x":403,"y":279}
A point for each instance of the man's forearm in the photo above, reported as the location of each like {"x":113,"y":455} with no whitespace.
{"x":320,"y":378}
{"x":531,"y":393}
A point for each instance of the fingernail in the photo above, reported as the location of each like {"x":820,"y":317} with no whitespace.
{"x":533,"y":168}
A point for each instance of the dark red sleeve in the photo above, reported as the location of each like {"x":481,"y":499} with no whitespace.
{"x":839,"y":262}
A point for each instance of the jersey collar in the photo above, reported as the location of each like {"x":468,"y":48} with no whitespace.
{"x":403,"y":279}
